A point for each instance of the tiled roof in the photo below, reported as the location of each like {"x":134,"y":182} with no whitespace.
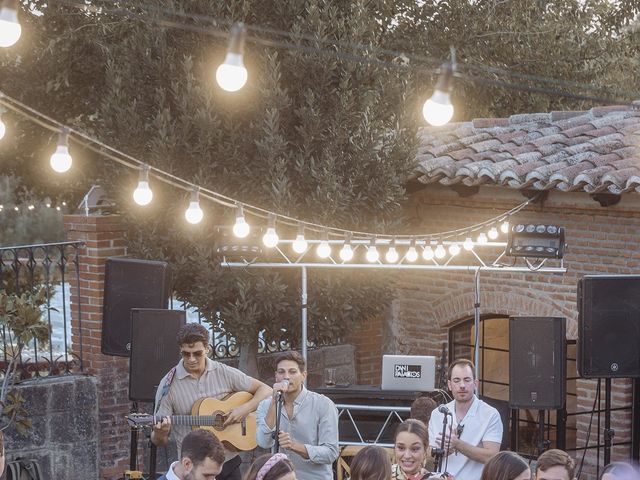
{"x":593,"y":151}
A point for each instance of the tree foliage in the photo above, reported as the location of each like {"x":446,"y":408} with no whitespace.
{"x":313,"y":135}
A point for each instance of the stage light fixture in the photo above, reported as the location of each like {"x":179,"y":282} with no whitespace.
{"x":536,"y":241}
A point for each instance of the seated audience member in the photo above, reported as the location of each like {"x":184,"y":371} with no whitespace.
{"x":201,"y":456}
{"x":506,"y":466}
{"x":555,"y":464}
{"x":619,"y":471}
{"x":421,"y":409}
{"x":271,"y":467}
{"x":370,"y":463}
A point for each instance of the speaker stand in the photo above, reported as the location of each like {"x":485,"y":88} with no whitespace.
{"x":609,"y":433}
{"x":133,"y":452}
{"x":543,"y":445}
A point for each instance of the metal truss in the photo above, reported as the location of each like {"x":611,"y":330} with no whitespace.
{"x":393,"y":413}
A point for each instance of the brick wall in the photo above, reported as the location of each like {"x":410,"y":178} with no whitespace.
{"x":103,"y":237}
{"x":601,"y":241}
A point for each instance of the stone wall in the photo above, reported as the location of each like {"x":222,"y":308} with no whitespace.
{"x":64,"y":438}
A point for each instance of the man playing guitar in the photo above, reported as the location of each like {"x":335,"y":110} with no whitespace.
{"x":197,"y":376}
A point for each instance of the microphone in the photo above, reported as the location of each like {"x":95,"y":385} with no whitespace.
{"x":445,"y":410}
{"x":285,"y":382}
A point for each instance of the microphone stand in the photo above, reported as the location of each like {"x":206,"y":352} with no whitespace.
{"x":438,"y":453}
{"x":279,"y":404}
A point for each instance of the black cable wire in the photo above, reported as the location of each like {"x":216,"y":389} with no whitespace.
{"x":586,"y":443}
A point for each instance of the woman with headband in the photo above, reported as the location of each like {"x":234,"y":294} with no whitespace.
{"x":271,"y":467}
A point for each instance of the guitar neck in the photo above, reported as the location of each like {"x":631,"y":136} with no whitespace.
{"x":197,"y":420}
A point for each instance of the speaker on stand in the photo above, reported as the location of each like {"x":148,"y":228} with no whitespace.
{"x":538,"y":367}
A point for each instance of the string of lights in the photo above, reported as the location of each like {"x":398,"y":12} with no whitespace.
{"x":432,"y":244}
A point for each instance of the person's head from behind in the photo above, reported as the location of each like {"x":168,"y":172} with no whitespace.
{"x":271,"y":467}
{"x":202,"y":455}
{"x":555,"y":464}
{"x":410,"y":446}
{"x":421,"y":409}
{"x":371,"y":463}
{"x":619,"y":471}
{"x":506,"y":466}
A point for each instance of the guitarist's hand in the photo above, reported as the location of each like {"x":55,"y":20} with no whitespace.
{"x":163,"y":426}
{"x":237,"y":414}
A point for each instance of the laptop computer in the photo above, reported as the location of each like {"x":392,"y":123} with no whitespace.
{"x":414,"y":373}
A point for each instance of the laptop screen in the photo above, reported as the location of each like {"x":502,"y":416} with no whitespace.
{"x":414,"y":373}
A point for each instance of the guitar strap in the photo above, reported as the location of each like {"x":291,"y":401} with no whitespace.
{"x":166,"y":387}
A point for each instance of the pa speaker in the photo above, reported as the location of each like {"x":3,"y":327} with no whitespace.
{"x":609,"y":326}
{"x":154,"y":350}
{"x":537,"y":362}
{"x":130,"y":283}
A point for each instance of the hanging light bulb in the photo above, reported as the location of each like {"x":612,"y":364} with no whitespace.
{"x":454,"y":249}
{"x":438,"y":110}
{"x":10,"y":29}
{"x":493,"y":233}
{"x":372,"y":252}
{"x":300,"y":244}
{"x":346,"y":252}
{"x":427,"y":253}
{"x":194,"y":213}
{"x":324,"y":250}
{"x":3,"y":128}
{"x":61,"y":159}
{"x":270,"y":238}
{"x":241,"y":228}
{"x":482,"y":239}
{"x":231,"y":75}
{"x":143,"y":195}
{"x":440,"y":251}
{"x":468,"y":244}
{"x":392,"y":254}
{"x":412,"y":254}
{"x":504,"y":227}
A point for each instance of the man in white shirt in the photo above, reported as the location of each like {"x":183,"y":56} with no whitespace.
{"x":474,"y":430}
{"x":201,"y":458}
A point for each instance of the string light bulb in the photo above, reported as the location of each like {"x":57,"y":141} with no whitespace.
{"x":392,"y":254}
{"x":412,"y":254}
{"x":454,"y":249}
{"x":493,"y":233}
{"x":3,"y":128}
{"x":504,"y":227}
{"x":194,"y":213}
{"x":324,"y":250}
{"x":10,"y":29}
{"x":270,"y":238}
{"x":346,"y":252}
{"x":440,"y":251}
{"x":468,"y":244}
{"x":482,"y":239}
{"x":372,"y":252}
{"x":437,"y":110}
{"x":61,"y":159}
{"x":300,"y":244}
{"x":241,"y":228}
{"x":231,"y":75}
{"x":143,"y":195}
{"x":427,"y":253}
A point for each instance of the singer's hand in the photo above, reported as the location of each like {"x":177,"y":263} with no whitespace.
{"x":282,"y":386}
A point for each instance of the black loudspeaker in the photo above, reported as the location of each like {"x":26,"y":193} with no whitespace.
{"x":609,"y":326}
{"x":130,"y":283}
{"x":537,"y":362}
{"x":154,"y":350}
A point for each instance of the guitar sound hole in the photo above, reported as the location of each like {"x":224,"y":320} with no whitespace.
{"x":218,"y":420}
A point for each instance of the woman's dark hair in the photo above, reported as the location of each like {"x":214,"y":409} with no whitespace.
{"x":504,"y":466}
{"x":280,"y":469}
{"x":371,"y":463}
{"x":416,"y":427}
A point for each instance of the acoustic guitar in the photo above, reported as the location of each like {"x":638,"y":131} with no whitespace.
{"x":210,"y":414}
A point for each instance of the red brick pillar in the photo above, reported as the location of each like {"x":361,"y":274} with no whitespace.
{"x":368,"y":342}
{"x":103,"y":237}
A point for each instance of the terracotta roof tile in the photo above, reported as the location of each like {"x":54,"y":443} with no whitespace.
{"x":592,"y":151}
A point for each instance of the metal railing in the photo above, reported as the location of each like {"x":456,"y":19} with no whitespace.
{"x":27,"y":268}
